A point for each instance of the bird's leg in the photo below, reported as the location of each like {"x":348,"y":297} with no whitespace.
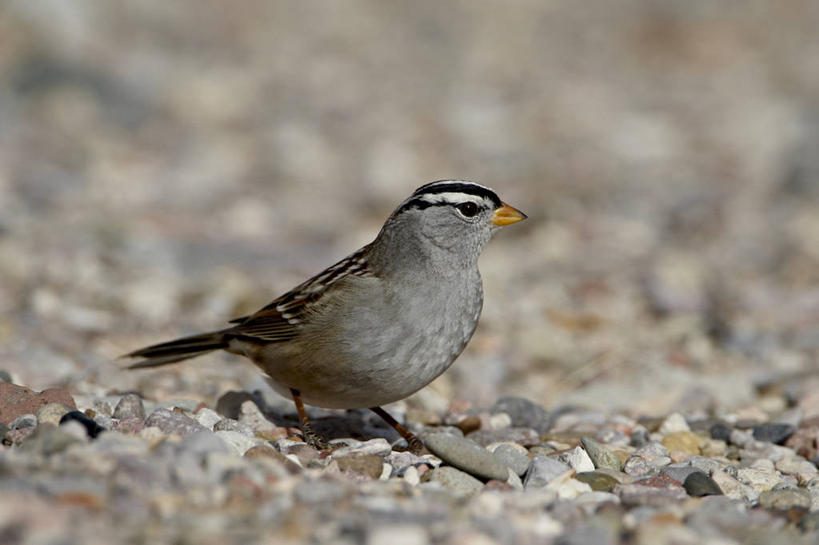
{"x":415,"y":445}
{"x":310,"y":437}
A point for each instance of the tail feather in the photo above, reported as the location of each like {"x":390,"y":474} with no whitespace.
{"x":178,"y":349}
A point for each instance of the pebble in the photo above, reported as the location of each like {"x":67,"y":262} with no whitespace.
{"x":251,"y":415}
{"x":682,"y":441}
{"x":523,"y":436}
{"x":48,"y":440}
{"x":577,"y":459}
{"x":601,"y":455}
{"x":544,"y":470}
{"x":374,"y":447}
{"x":674,"y":423}
{"x":466,"y":455}
{"x":89,"y":425}
{"x":524,"y":413}
{"x":173,"y":423}
{"x":785,"y":498}
{"x":17,"y":400}
{"x":129,"y":406}
{"x":512,"y":456}
{"x":23,"y":421}
{"x":598,"y":481}
{"x":734,"y":489}
{"x":52,"y":413}
{"x":239,"y":442}
{"x":776,"y":433}
{"x":207,"y":417}
{"x":458,"y":483}
{"x":699,"y":484}
{"x":367,"y":465}
{"x":721,"y":432}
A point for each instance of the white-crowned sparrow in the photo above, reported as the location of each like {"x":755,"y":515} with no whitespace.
{"x":381,"y":323}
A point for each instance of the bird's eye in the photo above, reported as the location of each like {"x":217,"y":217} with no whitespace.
{"x":468,"y":209}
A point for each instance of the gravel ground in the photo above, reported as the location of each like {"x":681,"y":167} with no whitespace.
{"x":646,"y":367}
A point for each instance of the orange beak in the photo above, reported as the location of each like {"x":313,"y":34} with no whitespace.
{"x":507,"y":215}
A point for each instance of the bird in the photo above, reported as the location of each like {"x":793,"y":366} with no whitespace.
{"x":378,"y":325}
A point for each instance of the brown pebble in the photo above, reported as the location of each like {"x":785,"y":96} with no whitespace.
{"x":369,"y":465}
{"x":17,"y":400}
{"x":469,"y":424}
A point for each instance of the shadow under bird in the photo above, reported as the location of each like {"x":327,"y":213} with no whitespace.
{"x":380,"y":324}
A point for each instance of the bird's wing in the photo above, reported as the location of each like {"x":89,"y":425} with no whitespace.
{"x":282,"y":319}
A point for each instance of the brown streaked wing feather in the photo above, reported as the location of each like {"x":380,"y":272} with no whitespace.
{"x":280,"y":320}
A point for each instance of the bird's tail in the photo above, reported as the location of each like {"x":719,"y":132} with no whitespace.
{"x":178,"y":349}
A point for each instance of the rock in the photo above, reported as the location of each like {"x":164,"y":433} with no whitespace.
{"x":776,"y":433}
{"x":52,"y":413}
{"x":251,"y":415}
{"x":785,"y":498}
{"x":129,"y":406}
{"x":199,"y":443}
{"x":207,"y":417}
{"x":173,"y":423}
{"x":23,"y":421}
{"x":648,"y":459}
{"x":457,"y":482}
{"x":734,"y":489}
{"x":5,"y":376}
{"x":674,"y":423}
{"x":721,"y":432}
{"x":796,"y":465}
{"x":131,"y":426}
{"x":601,"y":455}
{"x":598,"y":481}
{"x":18,"y":400}
{"x":230,"y":404}
{"x":238,"y":442}
{"x":466,"y":455}
{"x":679,"y":471}
{"x":637,"y":495}
{"x":698,"y":484}
{"x":375,"y":447}
{"x":367,"y":465}
{"x":91,"y":427}
{"x":577,"y":459}
{"x":683,"y":441}
{"x":544,"y":470}
{"x":48,"y":440}
{"x":522,"y":436}
{"x":513,"y":456}
{"x":758,"y":478}
{"x":229,"y":424}
{"x":524,"y":413}
{"x":469,"y":424}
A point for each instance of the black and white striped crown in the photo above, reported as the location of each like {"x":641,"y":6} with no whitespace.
{"x":451,"y":192}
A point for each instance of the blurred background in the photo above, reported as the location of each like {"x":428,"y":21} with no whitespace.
{"x":167,"y":166}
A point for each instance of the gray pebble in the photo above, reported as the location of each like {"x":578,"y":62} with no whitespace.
{"x":23,"y":421}
{"x":776,"y":433}
{"x":601,"y":455}
{"x":172,"y":422}
{"x":200,"y":443}
{"x":48,"y":440}
{"x":5,"y":376}
{"x":785,"y":498}
{"x":543,"y":470}
{"x":457,"y":482}
{"x":638,"y":495}
{"x":511,"y":457}
{"x":679,"y":472}
{"x":466,"y":455}
{"x":51,"y":413}
{"x":129,"y":406}
{"x":229,"y":424}
{"x":698,"y":484}
{"x":522,"y":436}
{"x":524,"y":413}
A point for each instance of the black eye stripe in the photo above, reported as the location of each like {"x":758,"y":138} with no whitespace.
{"x":422,"y":204}
{"x":446,"y":186}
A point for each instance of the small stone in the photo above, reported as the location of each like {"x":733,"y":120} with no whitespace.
{"x":698,"y":484}
{"x":776,"y":433}
{"x":239,"y":442}
{"x":674,"y":423}
{"x":173,"y":423}
{"x":129,"y":406}
{"x":734,"y":489}
{"x":759,"y":479}
{"x":721,"y":432}
{"x":91,"y":427}
{"x":785,"y":498}
{"x":683,"y":441}
{"x":469,"y":424}
{"x":131,"y":426}
{"x":513,"y":456}
{"x":230,"y":404}
{"x":23,"y":421}
{"x":795,"y":465}
{"x":679,"y":471}
{"x":466,"y":455}
{"x":457,"y":482}
{"x":636,"y":495}
{"x":265,"y":451}
{"x":229,"y":424}
{"x":598,"y":481}
{"x":367,"y":465}
{"x":5,"y":376}
{"x":522,"y":436}
{"x":52,"y":413}
{"x":375,"y":447}
{"x":251,"y":415}
{"x":524,"y":413}
{"x":544,"y":470}
{"x":18,"y":400}
{"x":577,"y":459}
{"x":601,"y":455}
{"x":48,"y":440}
{"x":207,"y":417}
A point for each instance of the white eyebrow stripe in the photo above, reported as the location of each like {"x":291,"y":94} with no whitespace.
{"x":454,"y":198}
